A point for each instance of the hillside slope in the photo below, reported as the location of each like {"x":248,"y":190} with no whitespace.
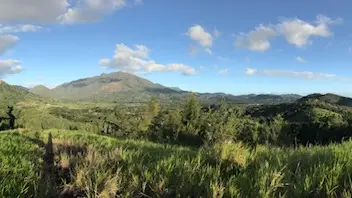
{"x":41,"y":90}
{"x":127,"y":88}
{"x":327,"y":98}
{"x":102,"y":86}
{"x":11,"y":94}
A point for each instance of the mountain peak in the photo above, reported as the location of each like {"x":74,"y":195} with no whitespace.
{"x":2,"y":82}
{"x":40,"y":87}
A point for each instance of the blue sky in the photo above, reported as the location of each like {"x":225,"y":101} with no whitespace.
{"x":235,"y":47}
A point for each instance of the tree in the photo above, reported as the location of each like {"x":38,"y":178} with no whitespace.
{"x":151,"y":112}
{"x":191,"y":115}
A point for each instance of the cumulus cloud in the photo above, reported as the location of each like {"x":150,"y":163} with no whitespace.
{"x":32,"y":10}
{"x":256,"y":40}
{"x":137,"y":60}
{"x":300,"y":59}
{"x":298,"y":32}
{"x":198,"y":34}
{"x":58,"y":11}
{"x":19,"y":28}
{"x":295,"y":31}
{"x":293,"y":74}
{"x":90,"y":10}
{"x":7,"y":42}
{"x":9,"y":67}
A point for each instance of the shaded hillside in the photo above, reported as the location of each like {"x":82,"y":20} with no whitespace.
{"x":327,"y":98}
{"x":304,"y":106}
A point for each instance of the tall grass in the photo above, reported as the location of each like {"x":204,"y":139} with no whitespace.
{"x":20,"y":164}
{"x":142,"y":168}
{"x":90,"y":165}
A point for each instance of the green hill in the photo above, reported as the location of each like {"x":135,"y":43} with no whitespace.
{"x":41,"y":90}
{"x":327,"y":98}
{"x":11,"y":95}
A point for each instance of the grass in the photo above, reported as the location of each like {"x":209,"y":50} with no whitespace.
{"x":20,"y":164}
{"x":92,"y":165}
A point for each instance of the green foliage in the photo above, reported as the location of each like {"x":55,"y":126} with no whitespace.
{"x":20,"y":164}
{"x":91,"y":165}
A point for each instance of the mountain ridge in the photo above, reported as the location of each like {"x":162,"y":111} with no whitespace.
{"x":125,"y":87}
{"x":121,"y":86}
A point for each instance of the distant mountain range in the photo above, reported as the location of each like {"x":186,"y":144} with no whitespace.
{"x":125,"y":87}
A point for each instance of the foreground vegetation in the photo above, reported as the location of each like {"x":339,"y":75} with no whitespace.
{"x":192,"y":149}
{"x":20,"y":165}
{"x":92,"y":165}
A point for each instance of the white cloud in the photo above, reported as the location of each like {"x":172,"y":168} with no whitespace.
{"x":300,"y":59}
{"x":32,"y":10}
{"x":58,"y":11}
{"x":295,"y":31}
{"x":90,"y":11}
{"x":327,"y":20}
{"x":137,"y":61}
{"x":223,"y":71}
{"x":256,"y":40}
{"x":207,"y":50}
{"x":193,"y":50}
{"x":298,"y":32}
{"x":216,"y":32}
{"x":202,"y":67}
{"x":7,"y":42}
{"x":293,"y":74}
{"x":19,"y":28}
{"x":198,"y":34}
{"x":9,"y":67}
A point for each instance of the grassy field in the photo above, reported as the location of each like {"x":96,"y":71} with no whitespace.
{"x":20,"y":165}
{"x":91,"y":165}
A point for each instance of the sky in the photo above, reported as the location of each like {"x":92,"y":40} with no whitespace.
{"x":236,"y":47}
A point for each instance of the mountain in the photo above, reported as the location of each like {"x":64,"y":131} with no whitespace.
{"x":176,"y":88}
{"x":12,"y":94}
{"x":125,"y":87}
{"x":105,"y":86}
{"x":21,"y":87}
{"x":41,"y":90}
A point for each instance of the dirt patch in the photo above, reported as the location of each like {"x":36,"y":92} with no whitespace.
{"x":112,"y":87}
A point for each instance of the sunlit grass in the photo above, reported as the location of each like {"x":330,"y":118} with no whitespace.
{"x":20,"y":164}
{"x":92,"y":165}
